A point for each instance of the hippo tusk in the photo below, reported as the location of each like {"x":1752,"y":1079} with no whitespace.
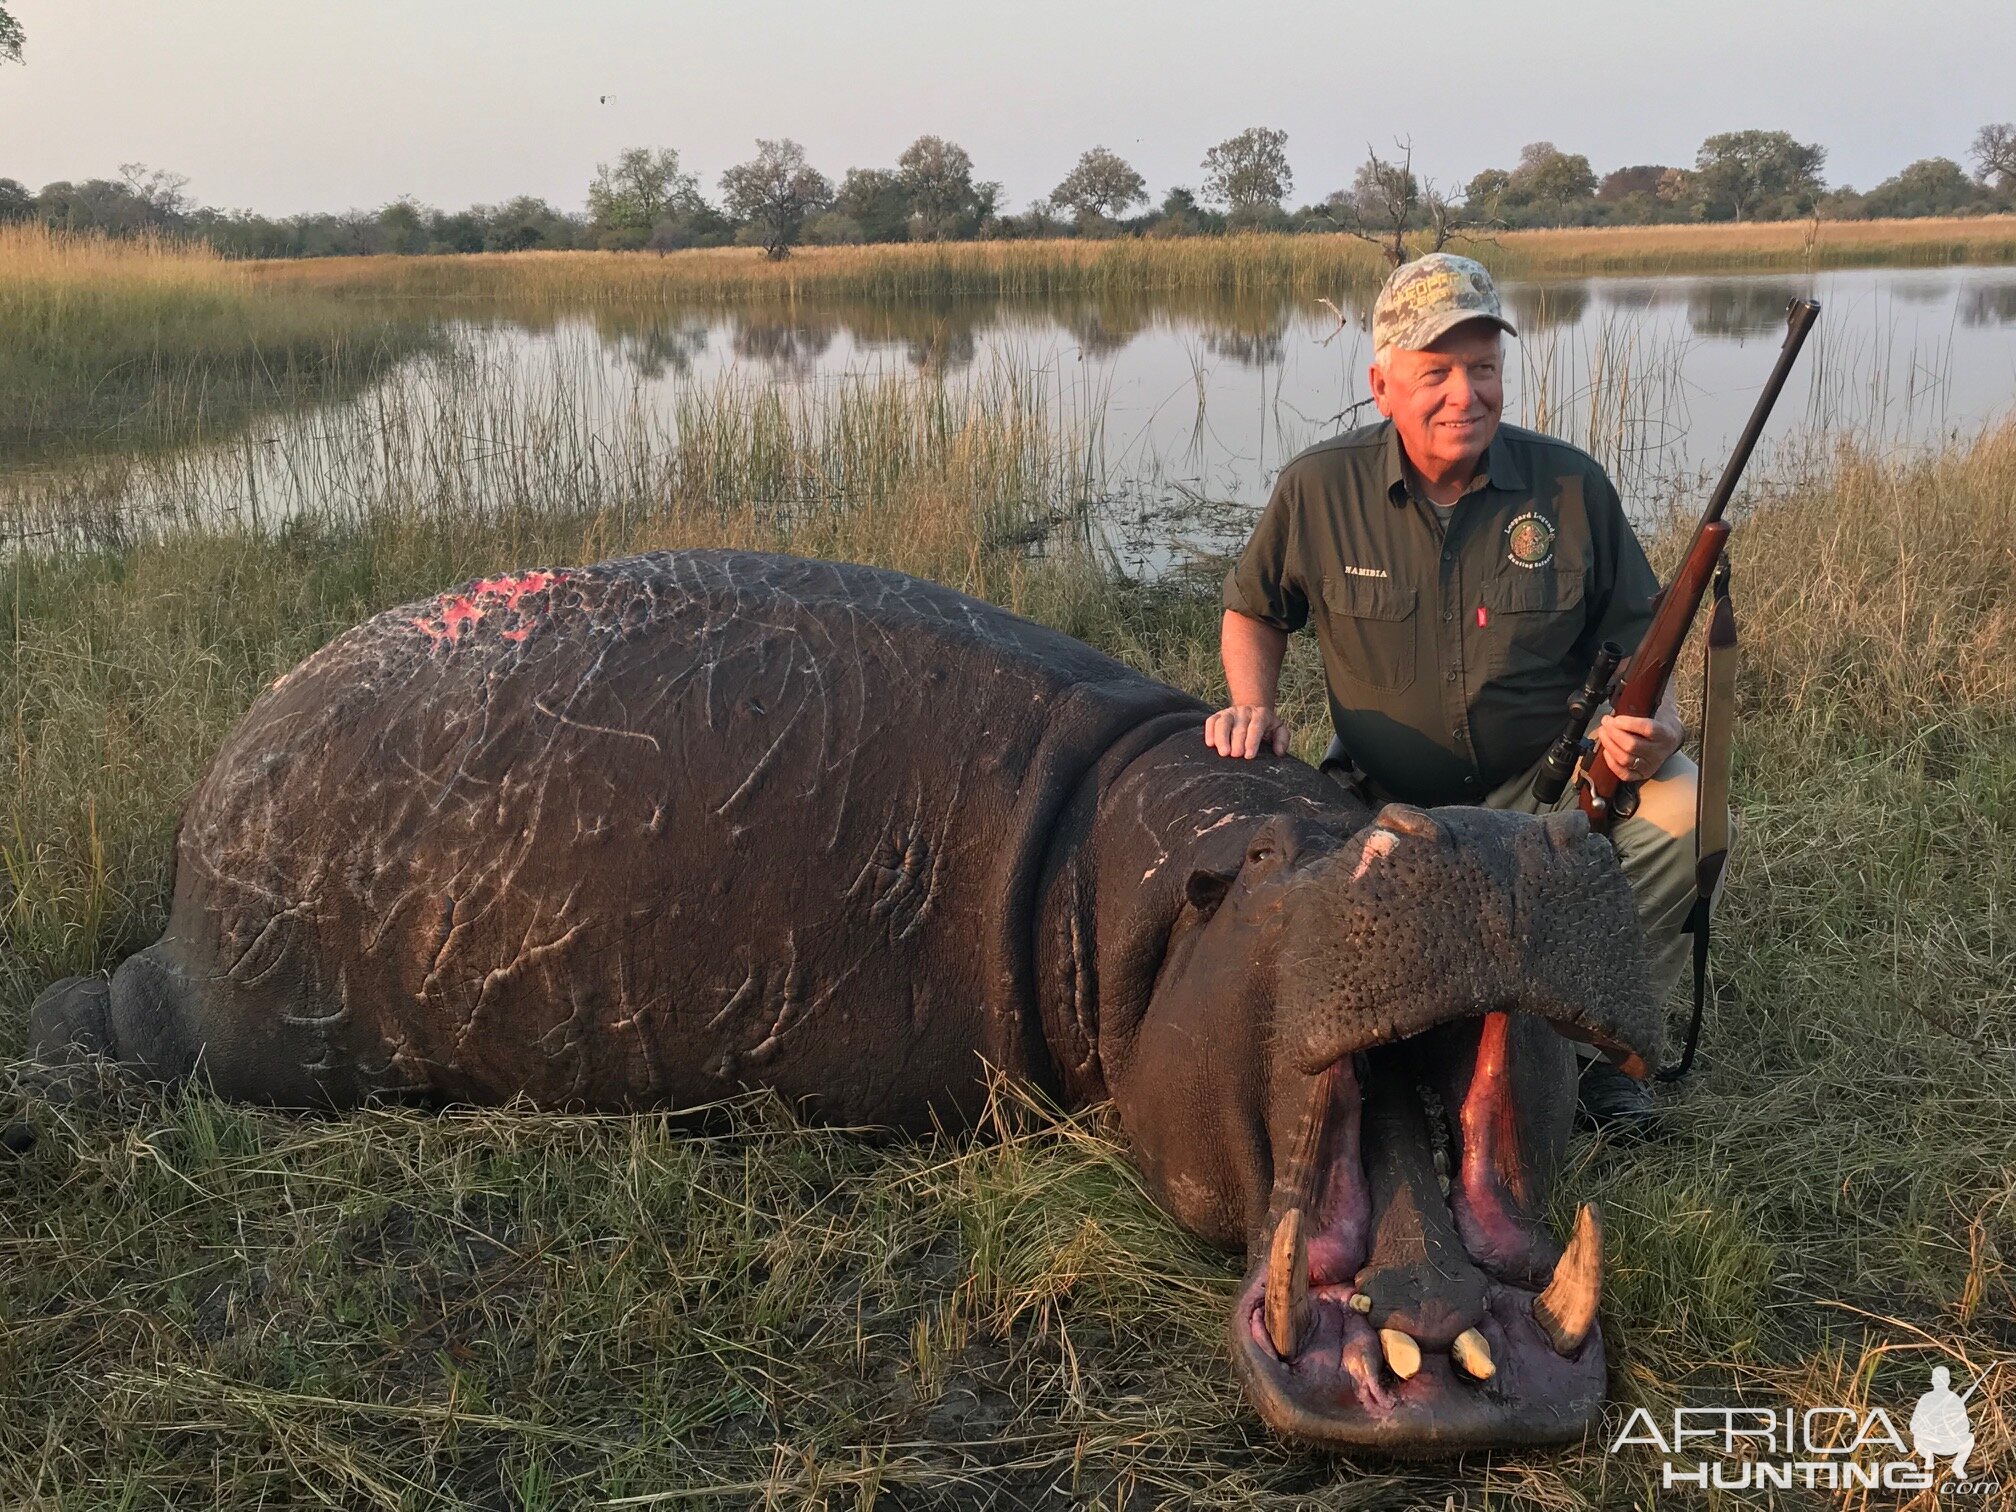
{"x":1288,"y":1286}
{"x":1302,"y":1163}
{"x":1566,"y":1310}
{"x":1403,"y":1355}
{"x":1473,"y":1355}
{"x":1361,"y":1302}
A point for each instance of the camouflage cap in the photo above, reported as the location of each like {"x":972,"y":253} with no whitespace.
{"x":1426,"y":297}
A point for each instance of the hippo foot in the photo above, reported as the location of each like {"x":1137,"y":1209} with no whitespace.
{"x":1389,"y":1313}
{"x":69,"y":1039}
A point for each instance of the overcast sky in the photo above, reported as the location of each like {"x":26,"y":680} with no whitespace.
{"x":288,"y":105}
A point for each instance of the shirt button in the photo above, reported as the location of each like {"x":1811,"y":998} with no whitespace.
{"x":1448,"y":614}
{"x":1469,"y":782}
{"x":1448,"y":556}
{"x":1450,"y":675}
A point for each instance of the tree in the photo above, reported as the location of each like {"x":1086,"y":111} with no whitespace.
{"x":1381,"y":203}
{"x":774,"y":192}
{"x":1485,"y":194}
{"x":876,"y":201}
{"x":1386,"y":201}
{"x":1102,"y":186}
{"x":1622,"y":183}
{"x":642,"y":188}
{"x":403,"y":228}
{"x":1994,"y":154}
{"x":1930,"y":186}
{"x":937,"y":176}
{"x":1744,"y":174}
{"x":11,"y":38}
{"x":16,"y":203}
{"x":1249,"y":173}
{"x":1552,"y":179}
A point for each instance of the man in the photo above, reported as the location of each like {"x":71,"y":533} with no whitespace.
{"x":1461,"y":576}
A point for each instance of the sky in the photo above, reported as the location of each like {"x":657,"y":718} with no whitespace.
{"x":283,"y":106}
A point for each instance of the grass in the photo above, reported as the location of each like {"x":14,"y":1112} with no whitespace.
{"x":211,"y":1305}
{"x":1311,"y":264}
{"x":142,"y":342}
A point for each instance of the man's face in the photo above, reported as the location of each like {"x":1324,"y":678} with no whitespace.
{"x":1445,"y":401}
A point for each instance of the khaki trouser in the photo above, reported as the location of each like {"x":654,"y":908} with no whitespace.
{"x":1655,"y":847}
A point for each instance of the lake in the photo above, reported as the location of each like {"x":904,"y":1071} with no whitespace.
{"x":1185,"y":407}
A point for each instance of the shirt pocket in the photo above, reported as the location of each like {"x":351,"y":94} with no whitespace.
{"x":1369,"y":623}
{"x":1539,"y":618}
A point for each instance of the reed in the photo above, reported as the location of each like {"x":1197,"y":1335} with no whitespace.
{"x":148,"y":341}
{"x":1317,"y":263}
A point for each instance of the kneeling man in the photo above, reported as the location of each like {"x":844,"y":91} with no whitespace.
{"x":1461,"y":575}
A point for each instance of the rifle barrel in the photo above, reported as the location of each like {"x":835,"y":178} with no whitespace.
{"x":1799,"y":318}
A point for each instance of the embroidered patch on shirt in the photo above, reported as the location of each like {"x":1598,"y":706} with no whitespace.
{"x":1529,"y":540}
{"x":1366,"y":571}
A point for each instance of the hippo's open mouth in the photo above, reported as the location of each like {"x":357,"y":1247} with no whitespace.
{"x":1408,"y":1297}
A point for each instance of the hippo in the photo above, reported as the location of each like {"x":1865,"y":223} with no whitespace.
{"x":645,"y":833}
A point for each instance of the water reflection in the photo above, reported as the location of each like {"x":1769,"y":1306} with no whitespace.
{"x":658,"y":347}
{"x":1988,"y":304}
{"x":1539,"y":307}
{"x":1739,"y":307}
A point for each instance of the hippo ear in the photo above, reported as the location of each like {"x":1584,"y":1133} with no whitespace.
{"x":1206,"y":889}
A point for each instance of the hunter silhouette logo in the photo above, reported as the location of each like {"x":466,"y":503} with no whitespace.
{"x":1939,"y":1425}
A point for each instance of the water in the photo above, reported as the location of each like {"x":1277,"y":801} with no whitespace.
{"x":1194,"y":402}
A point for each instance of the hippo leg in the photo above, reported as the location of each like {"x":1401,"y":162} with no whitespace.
{"x":71,"y":1021}
{"x":142,"y":1017}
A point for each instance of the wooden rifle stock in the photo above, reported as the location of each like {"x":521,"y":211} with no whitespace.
{"x":1602,"y":792}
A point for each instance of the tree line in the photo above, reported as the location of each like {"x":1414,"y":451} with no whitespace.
{"x":647,"y":200}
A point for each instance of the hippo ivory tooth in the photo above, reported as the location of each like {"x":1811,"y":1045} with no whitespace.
{"x":1361,"y":1302}
{"x":1301,"y":1169}
{"x":1566,"y":1310}
{"x":1288,"y":1286}
{"x":1473,"y":1356}
{"x":1403,"y":1355}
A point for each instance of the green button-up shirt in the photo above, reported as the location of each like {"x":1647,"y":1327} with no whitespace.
{"x":1449,"y":654}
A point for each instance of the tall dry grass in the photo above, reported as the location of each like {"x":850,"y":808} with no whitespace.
{"x":144,"y":340}
{"x":1319,"y":264}
{"x":218,"y":1306}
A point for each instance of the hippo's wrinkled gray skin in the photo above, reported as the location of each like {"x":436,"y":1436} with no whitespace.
{"x":644,"y":833}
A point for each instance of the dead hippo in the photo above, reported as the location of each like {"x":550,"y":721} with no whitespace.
{"x":643,"y":833}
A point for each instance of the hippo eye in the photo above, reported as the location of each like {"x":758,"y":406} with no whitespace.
{"x":1261,"y":853}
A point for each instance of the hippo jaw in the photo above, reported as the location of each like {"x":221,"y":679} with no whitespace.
{"x":1388,"y":1306}
{"x":1382,"y":1312}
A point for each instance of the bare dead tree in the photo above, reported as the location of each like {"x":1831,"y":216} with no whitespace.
{"x":1386,"y":201}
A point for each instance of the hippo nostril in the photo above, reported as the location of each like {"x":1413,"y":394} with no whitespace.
{"x":1405,"y":819}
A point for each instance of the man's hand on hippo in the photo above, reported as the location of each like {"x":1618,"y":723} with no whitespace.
{"x":1246,"y":730}
{"x":1636,"y":747}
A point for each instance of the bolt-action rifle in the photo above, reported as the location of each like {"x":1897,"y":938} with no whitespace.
{"x":1603,"y":794}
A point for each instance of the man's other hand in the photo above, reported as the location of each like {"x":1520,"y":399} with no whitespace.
{"x":1637,"y":747}
{"x":1246,"y":730}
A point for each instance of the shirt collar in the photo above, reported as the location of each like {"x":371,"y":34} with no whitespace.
{"x":1499,"y":470}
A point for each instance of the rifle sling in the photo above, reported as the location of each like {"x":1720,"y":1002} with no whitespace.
{"x":1711,"y":819}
